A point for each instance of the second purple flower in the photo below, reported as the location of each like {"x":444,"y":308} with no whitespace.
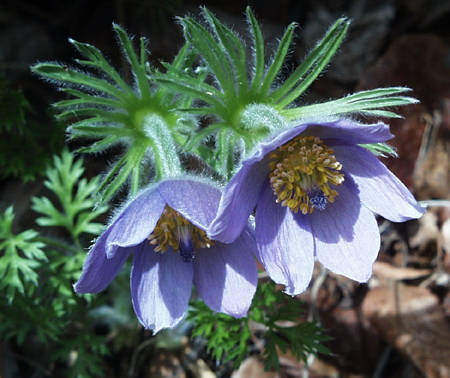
{"x":316,"y":193}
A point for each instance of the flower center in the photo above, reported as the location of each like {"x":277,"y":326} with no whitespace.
{"x":175,"y":231}
{"x":301,"y":173}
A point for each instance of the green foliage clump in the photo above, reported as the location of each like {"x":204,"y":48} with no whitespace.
{"x":22,"y":254}
{"x":37,"y":273}
{"x":75,"y":196}
{"x":228,"y":338}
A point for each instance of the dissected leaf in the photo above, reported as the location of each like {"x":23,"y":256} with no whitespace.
{"x":75,"y":209}
{"x":20,"y":257}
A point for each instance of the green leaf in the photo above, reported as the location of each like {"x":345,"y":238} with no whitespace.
{"x":278,"y":60}
{"x":210,"y":51}
{"x":27,"y":142}
{"x":137,"y":66}
{"x":228,"y":339}
{"x":369,"y":102}
{"x":226,"y":336}
{"x":106,"y":109}
{"x":13,"y":107}
{"x":20,"y":257}
{"x":258,"y":48}
{"x":85,"y":99}
{"x":195,"y":89}
{"x":319,"y":67}
{"x":88,"y":360}
{"x":75,"y":211}
{"x":97,"y":60}
{"x":315,"y":61}
{"x":64,"y":74}
{"x":234,"y":48}
{"x":381,"y":149}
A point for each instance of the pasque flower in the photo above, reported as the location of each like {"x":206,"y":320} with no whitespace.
{"x":165,"y":228}
{"x":316,"y":193}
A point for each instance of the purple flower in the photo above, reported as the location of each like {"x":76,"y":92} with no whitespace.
{"x":165,"y":228}
{"x":316,"y":193}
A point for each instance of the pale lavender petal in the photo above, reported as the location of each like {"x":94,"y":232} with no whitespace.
{"x":238,"y":201}
{"x":285,"y":243}
{"x":197,"y":201}
{"x":346,"y":235}
{"x":379,"y":189}
{"x":160,"y":287}
{"x":340,"y":131}
{"x":98,"y":270}
{"x":225,"y":275}
{"x":350,"y":132}
{"x":136,"y":221}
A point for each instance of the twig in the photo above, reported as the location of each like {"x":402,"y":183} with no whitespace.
{"x":318,"y":282}
{"x":442,"y":203}
{"x":136,"y":353}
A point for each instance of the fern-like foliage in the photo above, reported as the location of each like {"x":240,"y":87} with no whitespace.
{"x":75,"y":196}
{"x":37,"y":272}
{"x":228,"y":338}
{"x":20,"y":257}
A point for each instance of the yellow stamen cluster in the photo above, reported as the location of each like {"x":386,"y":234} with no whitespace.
{"x":168,"y":231}
{"x":300,"y":166}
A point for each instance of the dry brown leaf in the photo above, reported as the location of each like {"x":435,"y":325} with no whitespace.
{"x":419,"y":62}
{"x":411,"y":319}
{"x":387,"y":272}
{"x":165,"y":364}
{"x":252,"y":367}
{"x":201,"y":370}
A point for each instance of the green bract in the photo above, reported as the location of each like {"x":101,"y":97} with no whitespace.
{"x":140,"y":117}
{"x":244,"y":96}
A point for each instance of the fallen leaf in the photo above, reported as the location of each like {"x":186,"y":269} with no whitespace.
{"x":253,"y":367}
{"x":411,"y":320}
{"x":385,"y":271}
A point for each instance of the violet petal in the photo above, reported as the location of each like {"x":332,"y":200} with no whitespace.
{"x":379,"y":189}
{"x":346,"y":235}
{"x":226,"y":275}
{"x":350,"y":132}
{"x":197,"y":201}
{"x":285,"y":243}
{"x":160,"y":287}
{"x":98,"y":270}
{"x":341,"y":131}
{"x":238,"y":201}
{"x":135,"y":223}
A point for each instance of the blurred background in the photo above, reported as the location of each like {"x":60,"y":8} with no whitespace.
{"x":395,"y":326}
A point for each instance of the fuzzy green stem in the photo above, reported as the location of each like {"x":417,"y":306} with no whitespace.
{"x":160,"y":139}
